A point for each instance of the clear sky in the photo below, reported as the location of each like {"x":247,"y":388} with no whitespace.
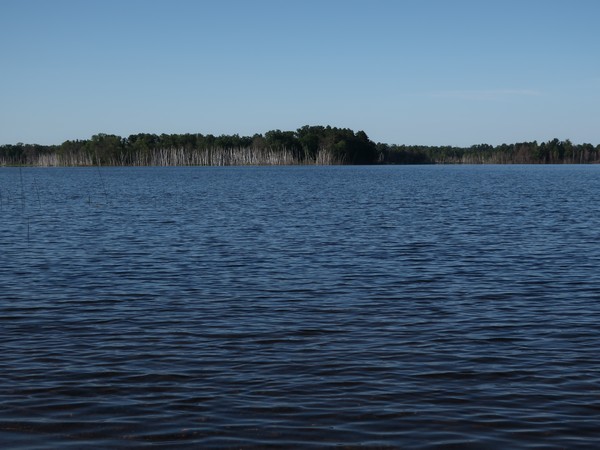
{"x":431,"y":72}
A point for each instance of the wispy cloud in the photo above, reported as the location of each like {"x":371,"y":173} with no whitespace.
{"x":486,"y":94}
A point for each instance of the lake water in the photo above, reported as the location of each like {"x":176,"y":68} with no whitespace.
{"x":278,"y":307}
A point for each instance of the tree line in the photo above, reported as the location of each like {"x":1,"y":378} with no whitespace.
{"x":551,"y":152}
{"x":306,"y":145}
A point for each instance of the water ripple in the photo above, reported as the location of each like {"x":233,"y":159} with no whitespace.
{"x":381,"y":307}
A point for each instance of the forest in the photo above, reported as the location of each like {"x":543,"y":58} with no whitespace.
{"x":307,"y":145}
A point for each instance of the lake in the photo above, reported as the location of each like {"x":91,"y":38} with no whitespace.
{"x":277,"y":307}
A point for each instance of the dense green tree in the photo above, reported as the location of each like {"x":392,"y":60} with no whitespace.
{"x":105,"y":148}
{"x":283,"y":140}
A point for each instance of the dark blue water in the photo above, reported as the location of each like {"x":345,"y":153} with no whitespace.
{"x":400,"y":307}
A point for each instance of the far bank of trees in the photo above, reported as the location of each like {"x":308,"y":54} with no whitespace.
{"x":551,"y":152}
{"x":306,"y":145}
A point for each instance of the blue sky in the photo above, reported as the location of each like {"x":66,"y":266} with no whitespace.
{"x":407,"y":71}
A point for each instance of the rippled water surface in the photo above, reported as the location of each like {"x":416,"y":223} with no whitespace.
{"x":400,"y":307}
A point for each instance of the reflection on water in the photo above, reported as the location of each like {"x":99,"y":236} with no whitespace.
{"x":414,"y":307}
